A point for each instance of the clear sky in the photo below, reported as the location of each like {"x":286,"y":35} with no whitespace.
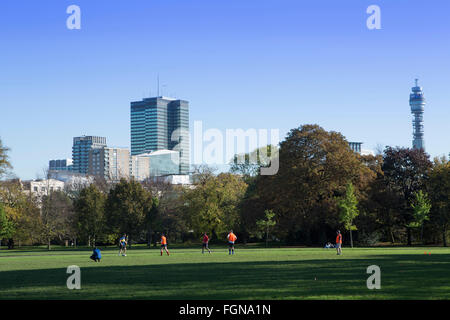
{"x":240,"y":64}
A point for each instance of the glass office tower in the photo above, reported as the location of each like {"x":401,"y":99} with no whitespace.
{"x":161,"y":123}
{"x":60,"y":165}
{"x":80,"y":151}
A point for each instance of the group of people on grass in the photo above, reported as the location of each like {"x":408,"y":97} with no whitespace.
{"x":231,"y":238}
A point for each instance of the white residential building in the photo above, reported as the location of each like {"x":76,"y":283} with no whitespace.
{"x":44,"y":187}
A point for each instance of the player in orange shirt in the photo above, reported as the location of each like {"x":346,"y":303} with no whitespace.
{"x":164,"y":244}
{"x":231,"y":237}
{"x":339,"y":242}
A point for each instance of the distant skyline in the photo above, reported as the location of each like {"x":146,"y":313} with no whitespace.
{"x":258,"y":64}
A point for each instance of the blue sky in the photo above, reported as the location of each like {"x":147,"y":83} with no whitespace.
{"x":240,"y":63}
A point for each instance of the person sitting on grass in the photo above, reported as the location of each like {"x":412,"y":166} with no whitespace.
{"x":96,"y":254}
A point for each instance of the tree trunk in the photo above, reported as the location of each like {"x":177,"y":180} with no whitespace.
{"x":408,"y":232}
{"x":149,"y":240}
{"x":421,"y":235}
{"x":267,"y":237}
{"x":444,"y":236}
{"x":89,"y":241}
{"x":246,"y":237}
{"x":48,"y":245}
{"x":351,"y":239}
{"x":392,"y":236}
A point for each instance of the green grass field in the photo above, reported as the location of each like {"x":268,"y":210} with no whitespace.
{"x":252,"y":273}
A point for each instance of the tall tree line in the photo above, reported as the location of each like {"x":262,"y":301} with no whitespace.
{"x":399,"y":197}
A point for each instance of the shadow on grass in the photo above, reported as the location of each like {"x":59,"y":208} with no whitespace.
{"x":403,"y":277}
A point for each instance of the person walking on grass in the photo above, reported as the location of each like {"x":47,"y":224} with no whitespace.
{"x":231,"y":237}
{"x":164,"y":244}
{"x":123,"y":245}
{"x":205,"y":243}
{"x":339,"y":242}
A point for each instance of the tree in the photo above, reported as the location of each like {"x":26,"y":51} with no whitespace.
{"x":22,"y":210}
{"x":4,"y":162}
{"x":251,"y":209}
{"x":6,"y":226}
{"x":150,"y":219}
{"x":202,"y":173}
{"x":349,"y":210}
{"x":405,"y":172}
{"x":89,"y":214}
{"x":266,"y":224}
{"x":385,"y":205}
{"x":439,"y":191}
{"x":170,"y":217}
{"x":212,"y":206}
{"x":249,"y":164}
{"x":421,"y":206}
{"x":164,"y":211}
{"x":315,"y":166}
{"x":127,"y":205}
{"x":56,"y":217}
{"x":368,"y":189}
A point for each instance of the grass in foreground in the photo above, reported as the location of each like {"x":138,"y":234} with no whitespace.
{"x":288,"y":273}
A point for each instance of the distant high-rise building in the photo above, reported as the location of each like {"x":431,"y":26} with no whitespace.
{"x":60,"y":165}
{"x":161,"y":123}
{"x":80,"y":151}
{"x":355,"y":146}
{"x":110,"y":163}
{"x":417,"y":104}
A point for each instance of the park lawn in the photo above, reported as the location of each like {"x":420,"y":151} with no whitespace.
{"x":286,"y":273}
